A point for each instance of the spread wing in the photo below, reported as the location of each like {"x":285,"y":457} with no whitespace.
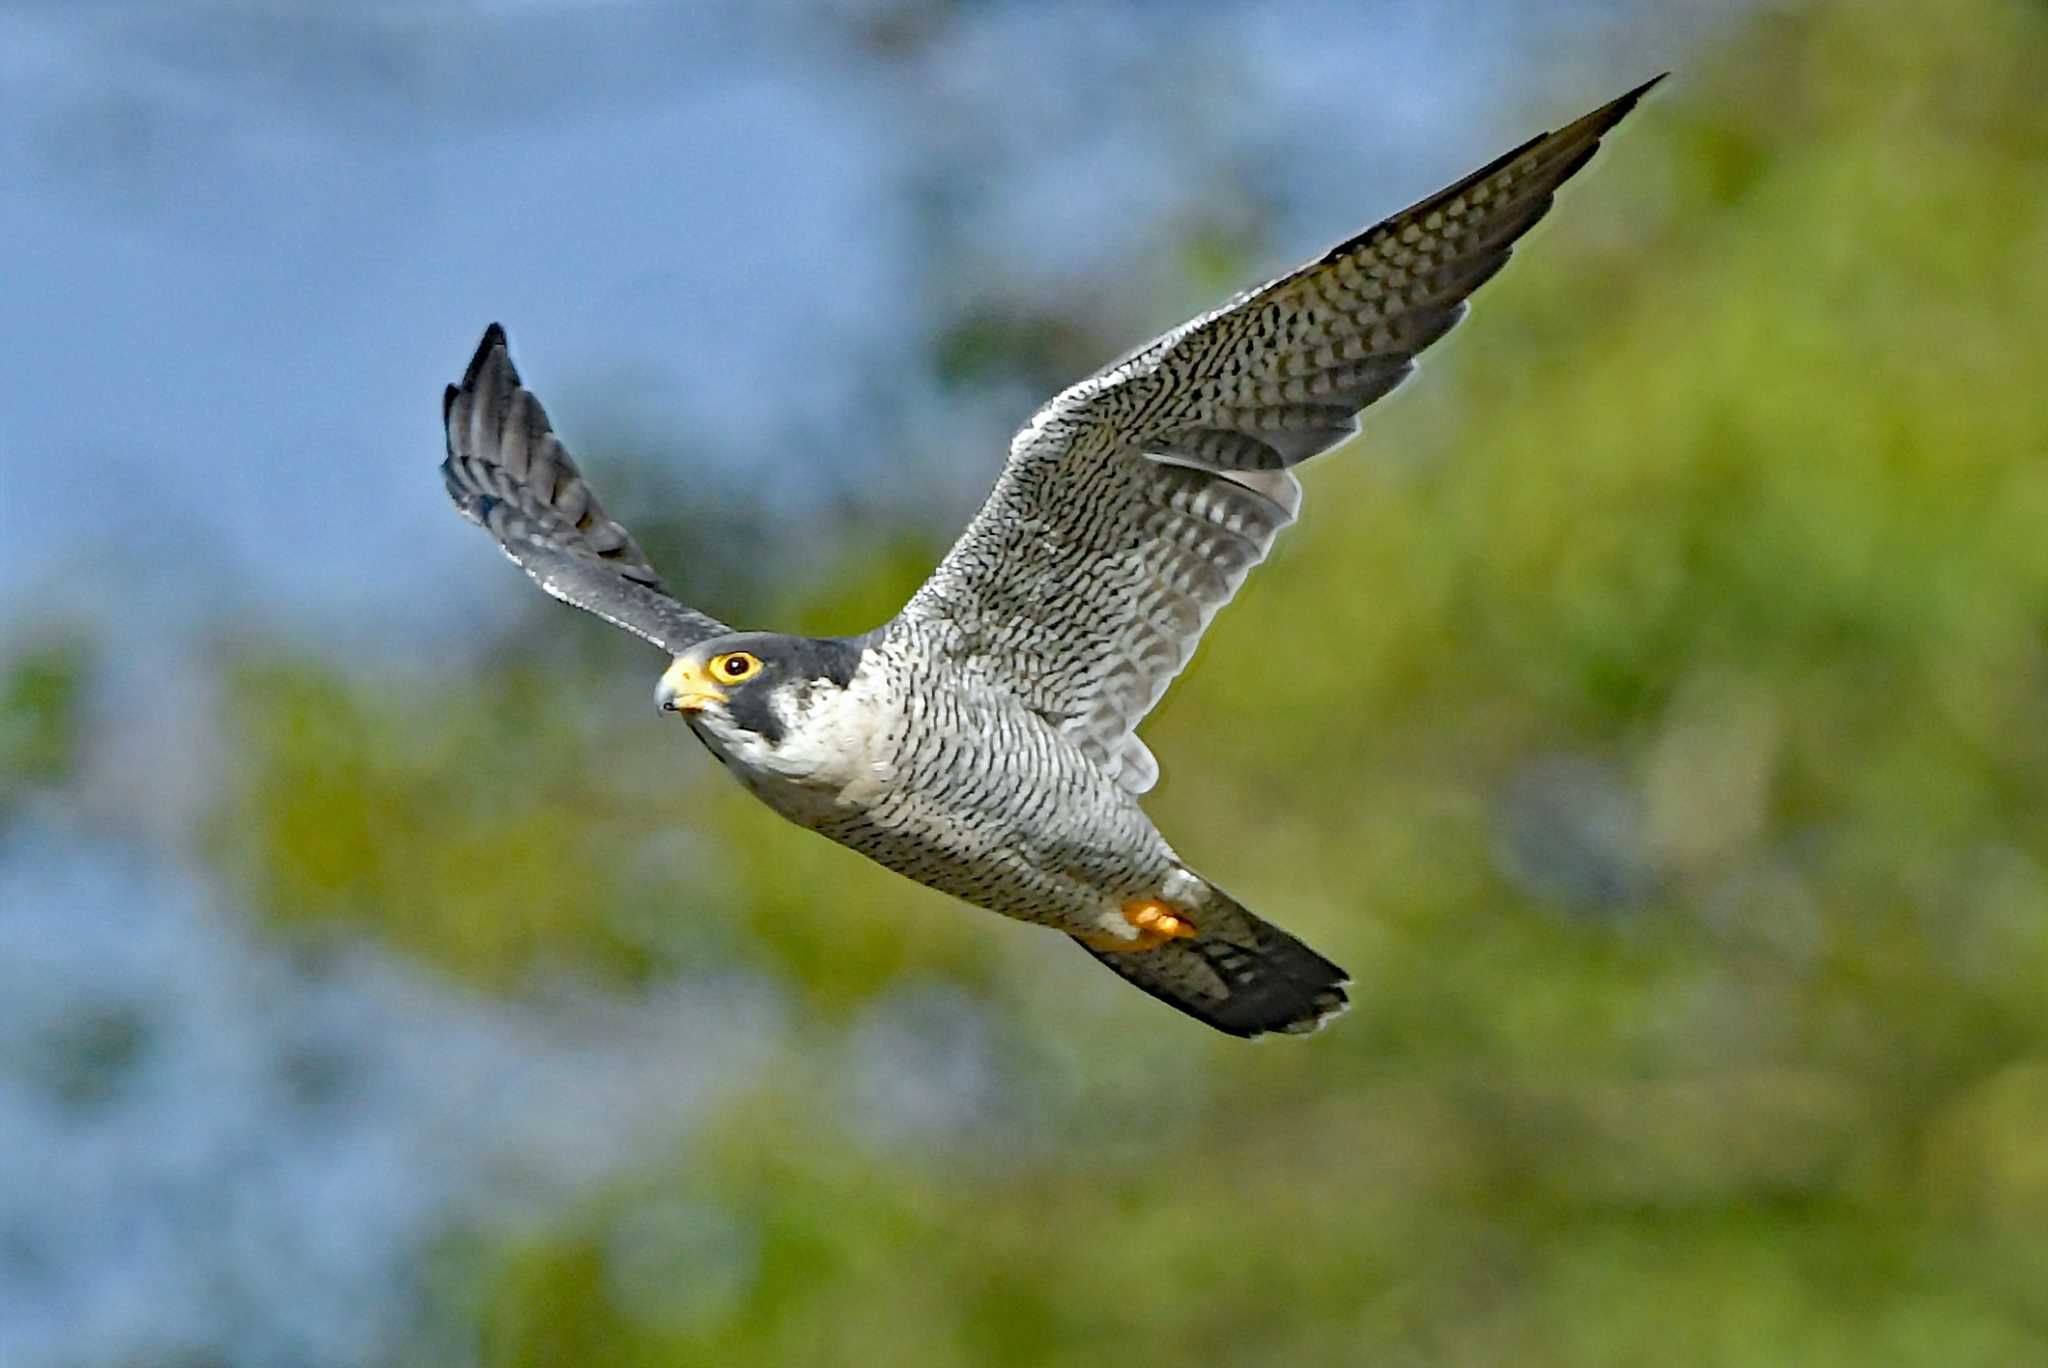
{"x":509,"y":474}
{"x":1135,"y":503}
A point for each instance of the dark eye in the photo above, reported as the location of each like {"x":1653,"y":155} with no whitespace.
{"x":737,"y":666}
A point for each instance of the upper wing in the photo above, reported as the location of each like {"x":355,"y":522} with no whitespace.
{"x":509,"y":474}
{"x":1134,"y":504}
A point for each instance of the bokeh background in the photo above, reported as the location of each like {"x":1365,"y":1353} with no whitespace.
{"x":1651,"y":710}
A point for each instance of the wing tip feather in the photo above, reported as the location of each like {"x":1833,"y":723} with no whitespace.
{"x":490,"y":346}
{"x":1602,"y":120}
{"x":506,"y":471}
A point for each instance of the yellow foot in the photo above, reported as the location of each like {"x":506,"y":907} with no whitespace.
{"x":1156,"y":923}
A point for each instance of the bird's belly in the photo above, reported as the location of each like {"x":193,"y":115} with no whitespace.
{"x":1018,"y":873}
{"x":991,"y":805}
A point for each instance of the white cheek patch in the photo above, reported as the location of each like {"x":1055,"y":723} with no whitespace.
{"x":790,"y":707}
{"x":750,"y":749}
{"x":827,"y":735}
{"x":832,"y":748}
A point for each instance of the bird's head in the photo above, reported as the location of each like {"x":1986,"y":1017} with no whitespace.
{"x":746,"y":694}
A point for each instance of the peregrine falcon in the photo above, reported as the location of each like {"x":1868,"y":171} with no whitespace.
{"x":984,"y":741}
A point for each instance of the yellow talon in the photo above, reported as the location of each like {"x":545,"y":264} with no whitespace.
{"x":1156,"y":923}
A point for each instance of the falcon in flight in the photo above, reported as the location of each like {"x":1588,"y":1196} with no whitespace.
{"x":984,"y":741}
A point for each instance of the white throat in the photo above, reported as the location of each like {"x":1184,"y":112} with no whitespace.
{"x":835,"y":753}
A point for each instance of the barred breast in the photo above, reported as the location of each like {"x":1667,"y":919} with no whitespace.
{"x":985,"y":800}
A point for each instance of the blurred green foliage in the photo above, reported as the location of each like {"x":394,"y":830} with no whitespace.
{"x":1652,"y":711}
{"x":42,"y":694}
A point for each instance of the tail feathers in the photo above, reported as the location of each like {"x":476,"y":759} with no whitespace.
{"x":1241,"y":974}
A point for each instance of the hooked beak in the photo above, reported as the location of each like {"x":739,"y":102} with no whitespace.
{"x":685,"y":688}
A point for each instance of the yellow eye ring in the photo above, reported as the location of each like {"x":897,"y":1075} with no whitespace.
{"x":734,"y":666}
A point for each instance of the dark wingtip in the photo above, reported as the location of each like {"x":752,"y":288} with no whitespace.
{"x":493,"y":340}
{"x":1613,"y":112}
{"x":1628,"y":101}
{"x":1615,"y":109}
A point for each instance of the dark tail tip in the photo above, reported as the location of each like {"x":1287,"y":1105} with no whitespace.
{"x":1247,"y":978}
